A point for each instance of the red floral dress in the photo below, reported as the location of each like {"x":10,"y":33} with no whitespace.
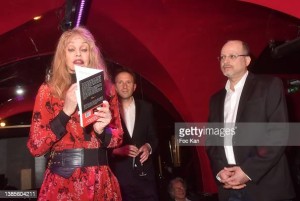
{"x":86,"y":183}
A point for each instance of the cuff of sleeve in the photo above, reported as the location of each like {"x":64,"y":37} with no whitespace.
{"x":248,"y":177}
{"x":105,"y":136}
{"x":246,"y":174}
{"x":218,"y":178}
{"x":59,"y":123}
{"x":150,"y":148}
{"x":64,"y":118}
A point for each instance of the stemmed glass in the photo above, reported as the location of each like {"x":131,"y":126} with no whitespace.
{"x":138,"y":166}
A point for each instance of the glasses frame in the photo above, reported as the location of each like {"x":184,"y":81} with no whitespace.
{"x":232,"y":57}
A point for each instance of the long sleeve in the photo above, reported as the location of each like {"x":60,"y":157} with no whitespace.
{"x":276,"y":112}
{"x":49,"y":128}
{"x":214,"y":144}
{"x":41,"y":138}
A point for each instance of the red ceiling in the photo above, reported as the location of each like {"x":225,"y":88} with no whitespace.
{"x":174,"y":44}
{"x":18,"y":12}
{"x":173,"y":38}
{"x":290,"y":7}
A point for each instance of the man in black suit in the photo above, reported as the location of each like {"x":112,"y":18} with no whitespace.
{"x":132,"y":161}
{"x":249,"y":173}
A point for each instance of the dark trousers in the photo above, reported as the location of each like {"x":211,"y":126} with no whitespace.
{"x":141,"y":191}
{"x":242,"y":195}
{"x":239,"y":195}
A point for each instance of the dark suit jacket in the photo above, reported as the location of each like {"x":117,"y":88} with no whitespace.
{"x":144,"y":132}
{"x":262,"y":100}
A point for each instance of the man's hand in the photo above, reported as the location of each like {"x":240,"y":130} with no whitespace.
{"x":145,"y":150}
{"x":224,"y":175}
{"x":133,"y":151}
{"x":237,"y":180}
{"x":127,"y":150}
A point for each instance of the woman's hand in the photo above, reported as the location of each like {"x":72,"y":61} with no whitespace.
{"x":70,"y":100}
{"x":104,"y":119}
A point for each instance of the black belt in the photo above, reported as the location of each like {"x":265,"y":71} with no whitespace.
{"x":65,"y":162}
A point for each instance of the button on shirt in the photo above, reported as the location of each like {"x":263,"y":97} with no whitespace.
{"x":231,"y":105}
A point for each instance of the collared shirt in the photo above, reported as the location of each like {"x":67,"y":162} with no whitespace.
{"x":128,"y":115}
{"x":231,"y":105}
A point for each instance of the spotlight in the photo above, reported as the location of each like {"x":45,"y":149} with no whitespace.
{"x":19,"y":91}
{"x":2,"y":124}
{"x":37,"y":17}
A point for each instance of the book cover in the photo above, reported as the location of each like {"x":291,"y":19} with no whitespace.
{"x":90,"y":93}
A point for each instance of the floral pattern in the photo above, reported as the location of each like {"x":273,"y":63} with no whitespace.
{"x":86,"y":183}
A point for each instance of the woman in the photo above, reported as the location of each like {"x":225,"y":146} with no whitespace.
{"x":77,"y":167}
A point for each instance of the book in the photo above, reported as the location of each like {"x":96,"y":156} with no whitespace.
{"x":90,"y":93}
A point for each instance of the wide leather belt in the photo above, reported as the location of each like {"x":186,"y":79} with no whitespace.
{"x":65,"y":162}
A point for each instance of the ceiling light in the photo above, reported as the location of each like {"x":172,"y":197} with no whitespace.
{"x":80,"y":13}
{"x":2,"y":124}
{"x":19,"y":91}
{"x":37,"y":17}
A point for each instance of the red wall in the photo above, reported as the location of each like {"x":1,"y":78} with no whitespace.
{"x":174,"y":45}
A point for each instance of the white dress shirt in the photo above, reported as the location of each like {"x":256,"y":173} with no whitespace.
{"x":128,"y":115}
{"x":231,"y":105}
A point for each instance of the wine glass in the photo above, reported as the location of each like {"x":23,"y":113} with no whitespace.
{"x":138,"y":166}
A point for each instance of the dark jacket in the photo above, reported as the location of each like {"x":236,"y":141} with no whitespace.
{"x":144,"y":132}
{"x":262,"y":100}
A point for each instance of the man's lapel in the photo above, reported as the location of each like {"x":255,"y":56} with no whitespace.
{"x":247,"y":91}
{"x":221,"y":106}
{"x":124,"y":125}
{"x":137,"y":117}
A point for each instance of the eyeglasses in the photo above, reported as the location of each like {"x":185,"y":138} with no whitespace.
{"x":231,"y":57}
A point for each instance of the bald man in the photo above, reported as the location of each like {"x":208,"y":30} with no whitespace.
{"x":248,"y":173}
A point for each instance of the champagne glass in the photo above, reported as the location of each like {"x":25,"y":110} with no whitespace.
{"x":138,"y":166}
